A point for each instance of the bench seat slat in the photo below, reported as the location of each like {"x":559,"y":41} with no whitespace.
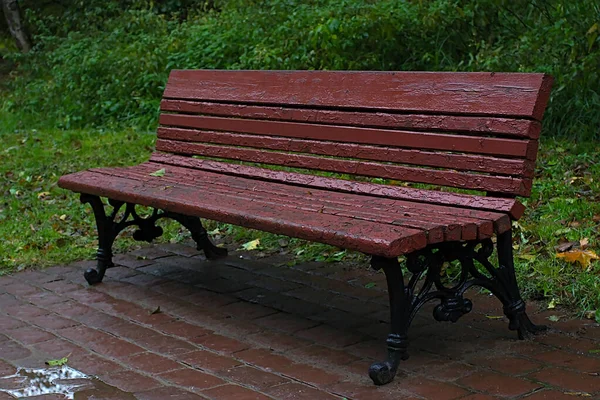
{"x":496,"y":94}
{"x":451,"y":178}
{"x":350,"y":134}
{"x":494,"y":126}
{"x":386,"y":240}
{"x":464,"y":162}
{"x":440,"y":226}
{"x":507,"y":205}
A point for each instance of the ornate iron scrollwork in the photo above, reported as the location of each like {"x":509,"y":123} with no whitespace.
{"x":109,"y":228}
{"x":426,"y":268}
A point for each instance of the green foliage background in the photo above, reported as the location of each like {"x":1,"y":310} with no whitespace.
{"x":105,"y":63}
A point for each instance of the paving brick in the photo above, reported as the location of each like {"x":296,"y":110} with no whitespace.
{"x":183,"y":329}
{"x":29,"y":335}
{"x":92,"y":364}
{"x":130,"y":381}
{"x":508,"y":365}
{"x":264,"y":358}
{"x":329,"y":336}
{"x":24,"y":311}
{"x":342,"y":319}
{"x":164,"y":344}
{"x":209,"y":299}
{"x":62,"y":286}
{"x":227,"y":392}
{"x":568,"y":380}
{"x":150,"y":252}
{"x":277,"y":341}
{"x":253,"y":377}
{"x":167,"y":392}
{"x":180,"y":249}
{"x":496,"y":384}
{"x":245,"y":310}
{"x":557,"y":395}
{"x":447,"y":372}
{"x":368,"y":391}
{"x":280,"y":302}
{"x":285,"y":322}
{"x":52,"y":322}
{"x":11,"y":350}
{"x":431,"y":389}
{"x":151,"y":363}
{"x":131,"y":261}
{"x":274,"y":284}
{"x":6,"y":368}
{"x":192,"y":379}
{"x":20,"y":289}
{"x":479,"y":396}
{"x":309,"y":374}
{"x":323,"y":355}
{"x":208,"y":361}
{"x":221,"y":343}
{"x":296,"y":391}
{"x":57,"y":348}
{"x":564,"y":359}
{"x":223,"y":285}
{"x":355,"y":306}
{"x":312,"y":295}
{"x":7,"y":322}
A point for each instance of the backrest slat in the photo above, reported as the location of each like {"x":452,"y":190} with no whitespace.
{"x":465,"y":162}
{"x":510,"y":127}
{"x":475,"y":131}
{"x":458,"y":93}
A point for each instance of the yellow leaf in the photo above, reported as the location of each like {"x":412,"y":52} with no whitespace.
{"x":43,"y":195}
{"x":583,"y":243}
{"x":63,"y":217}
{"x":251,"y":245}
{"x":583,"y":257}
{"x":552,"y":304}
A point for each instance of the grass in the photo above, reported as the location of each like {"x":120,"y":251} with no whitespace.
{"x":43,"y":225}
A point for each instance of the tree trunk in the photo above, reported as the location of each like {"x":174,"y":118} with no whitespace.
{"x":13,"y":19}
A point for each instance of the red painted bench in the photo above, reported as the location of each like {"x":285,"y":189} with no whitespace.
{"x":474,"y":131}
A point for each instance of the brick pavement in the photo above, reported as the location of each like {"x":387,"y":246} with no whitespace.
{"x":252,"y":329}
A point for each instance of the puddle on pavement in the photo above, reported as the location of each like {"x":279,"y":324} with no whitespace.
{"x":64,"y":380}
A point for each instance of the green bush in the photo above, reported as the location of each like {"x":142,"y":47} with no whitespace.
{"x":109,"y":66}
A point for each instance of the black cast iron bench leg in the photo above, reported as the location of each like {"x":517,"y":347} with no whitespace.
{"x":406,"y":299}
{"x":109,"y":228}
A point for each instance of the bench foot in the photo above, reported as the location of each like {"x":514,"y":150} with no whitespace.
{"x":384,"y":372}
{"x":109,"y":227}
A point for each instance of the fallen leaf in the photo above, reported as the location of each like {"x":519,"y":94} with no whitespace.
{"x":494,"y":316}
{"x":579,"y":394}
{"x":583,"y":257}
{"x":583,"y":243}
{"x":43,"y":195}
{"x":561,"y":248}
{"x":160,"y":172}
{"x":63,"y":217}
{"x":594,"y":351}
{"x":57,"y":363}
{"x":251,"y":245}
{"x":157,"y":311}
{"x":552,"y":304}
{"x":215,"y":232}
{"x":554,"y":318}
{"x":590,"y":314}
{"x":370,"y":285}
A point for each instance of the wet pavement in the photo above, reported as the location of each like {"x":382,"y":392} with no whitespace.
{"x":167,"y":324}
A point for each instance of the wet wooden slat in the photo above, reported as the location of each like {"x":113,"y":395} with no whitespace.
{"x":497,"y":94}
{"x":507,"y":205}
{"x":516,"y":186}
{"x":373,"y":238}
{"x":350,"y":134}
{"x":518,"y":128}
{"x":464,"y":162}
{"x":450,"y":226}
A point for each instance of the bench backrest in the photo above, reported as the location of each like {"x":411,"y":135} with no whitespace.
{"x":475,"y":131}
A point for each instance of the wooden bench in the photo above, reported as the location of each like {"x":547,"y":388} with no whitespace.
{"x":221,"y":133}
